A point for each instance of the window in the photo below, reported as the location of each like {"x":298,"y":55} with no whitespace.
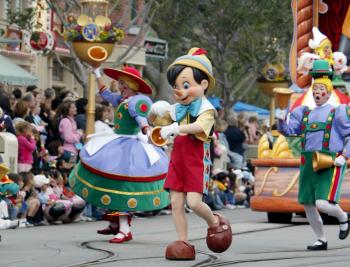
{"x":133,"y":7}
{"x":57,"y":71}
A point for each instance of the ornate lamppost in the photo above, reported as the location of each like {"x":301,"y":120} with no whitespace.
{"x":273,"y":77}
{"x":93,"y":37}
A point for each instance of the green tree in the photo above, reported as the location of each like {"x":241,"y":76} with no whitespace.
{"x":240,"y":36}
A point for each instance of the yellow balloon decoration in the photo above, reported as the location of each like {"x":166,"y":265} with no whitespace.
{"x":281,"y":149}
{"x":264,"y":150}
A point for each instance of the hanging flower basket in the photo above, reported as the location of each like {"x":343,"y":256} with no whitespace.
{"x":93,"y":40}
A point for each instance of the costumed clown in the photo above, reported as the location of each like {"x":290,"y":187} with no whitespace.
{"x":336,"y":61}
{"x":323,"y":129}
{"x":121,"y":171}
{"x":191,"y":121}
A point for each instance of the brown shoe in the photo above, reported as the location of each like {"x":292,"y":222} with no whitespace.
{"x":180,"y":250}
{"x":109,"y":230}
{"x":219,"y":237}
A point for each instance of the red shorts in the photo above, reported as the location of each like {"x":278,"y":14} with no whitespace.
{"x":189,"y":165}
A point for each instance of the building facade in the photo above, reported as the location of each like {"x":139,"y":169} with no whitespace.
{"x":47,"y":68}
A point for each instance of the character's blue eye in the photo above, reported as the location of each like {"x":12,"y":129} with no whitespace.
{"x":186,"y":85}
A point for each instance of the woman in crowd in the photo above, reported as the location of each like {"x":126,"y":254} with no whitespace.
{"x":69,"y":132}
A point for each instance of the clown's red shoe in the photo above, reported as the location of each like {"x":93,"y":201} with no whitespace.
{"x":124,"y":238}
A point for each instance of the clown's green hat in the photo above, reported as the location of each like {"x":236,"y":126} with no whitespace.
{"x":321,"y":67}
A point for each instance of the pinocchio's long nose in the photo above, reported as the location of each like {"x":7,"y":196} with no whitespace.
{"x":179,"y":93}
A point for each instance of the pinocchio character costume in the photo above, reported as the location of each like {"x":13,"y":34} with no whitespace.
{"x":191,"y":121}
{"x":121,"y":171}
{"x":324,"y":131}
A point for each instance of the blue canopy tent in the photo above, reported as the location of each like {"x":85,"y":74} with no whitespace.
{"x":216,"y":102}
{"x":251,"y":109}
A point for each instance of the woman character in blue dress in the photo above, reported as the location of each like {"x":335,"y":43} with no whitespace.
{"x":121,"y":171}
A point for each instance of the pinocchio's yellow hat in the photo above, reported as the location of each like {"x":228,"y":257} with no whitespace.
{"x":326,"y":81}
{"x":196,"y":58}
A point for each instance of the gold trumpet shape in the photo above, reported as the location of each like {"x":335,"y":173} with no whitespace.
{"x":156,"y":138}
{"x":97,"y":53}
{"x":282,"y":96}
{"x":321,"y":161}
{"x":93,"y":53}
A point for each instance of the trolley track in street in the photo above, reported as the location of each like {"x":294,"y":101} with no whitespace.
{"x":108,"y":256}
{"x":211,"y":259}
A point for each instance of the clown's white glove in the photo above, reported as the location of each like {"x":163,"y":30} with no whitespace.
{"x":159,"y":108}
{"x":172,"y":129}
{"x":97,"y":72}
{"x":340,"y":161}
{"x":281,"y":114}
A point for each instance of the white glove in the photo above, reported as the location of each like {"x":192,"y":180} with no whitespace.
{"x":281,"y":114}
{"x":97,"y":72}
{"x":339,"y":161}
{"x":172,"y":129}
{"x":159,"y":108}
{"x":142,"y":137}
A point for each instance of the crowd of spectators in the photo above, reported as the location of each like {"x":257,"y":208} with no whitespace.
{"x":50,"y":132}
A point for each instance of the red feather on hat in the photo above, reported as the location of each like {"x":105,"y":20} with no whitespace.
{"x":200,"y":51}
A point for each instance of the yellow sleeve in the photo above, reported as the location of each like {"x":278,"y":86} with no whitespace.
{"x":206,"y":122}
{"x":163,"y":121}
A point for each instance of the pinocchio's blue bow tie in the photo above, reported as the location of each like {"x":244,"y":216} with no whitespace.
{"x":192,"y":109}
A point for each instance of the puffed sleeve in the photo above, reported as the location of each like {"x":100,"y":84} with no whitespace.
{"x":293,"y":126}
{"x":342,"y":124}
{"x":205,"y":121}
{"x":111,"y":97}
{"x":139,"y":107}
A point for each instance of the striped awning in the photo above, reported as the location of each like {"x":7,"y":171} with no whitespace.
{"x":12,"y":74}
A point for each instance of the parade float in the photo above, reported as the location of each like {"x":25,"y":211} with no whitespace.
{"x":277,"y":165}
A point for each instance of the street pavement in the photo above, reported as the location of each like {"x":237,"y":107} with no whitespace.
{"x":255,"y":242}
